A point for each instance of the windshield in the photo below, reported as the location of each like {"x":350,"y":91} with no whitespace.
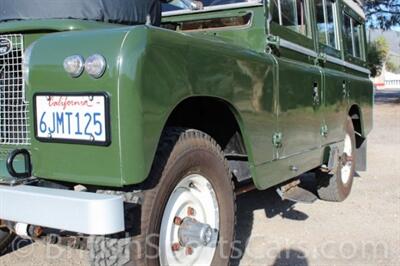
{"x":113,"y":11}
{"x":174,"y":5}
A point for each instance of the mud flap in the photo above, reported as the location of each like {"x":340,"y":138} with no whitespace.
{"x":361,"y":157}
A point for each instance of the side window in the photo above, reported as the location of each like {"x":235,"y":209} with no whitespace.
{"x":170,"y":7}
{"x":291,"y":14}
{"x":357,"y":38}
{"x":353,"y":36}
{"x":348,"y":35}
{"x":326,"y":23}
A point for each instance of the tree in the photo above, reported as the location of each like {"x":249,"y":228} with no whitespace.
{"x":392,"y":64}
{"x":377,"y":53}
{"x":382,"y":14}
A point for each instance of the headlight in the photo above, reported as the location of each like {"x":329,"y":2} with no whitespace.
{"x":26,"y":61}
{"x":74,"y":65}
{"x":95,"y":65}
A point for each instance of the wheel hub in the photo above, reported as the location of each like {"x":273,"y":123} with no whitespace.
{"x":192,"y":233}
{"x":346,"y":160}
{"x":190,"y":224}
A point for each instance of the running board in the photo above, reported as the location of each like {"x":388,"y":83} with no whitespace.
{"x":293,"y":192}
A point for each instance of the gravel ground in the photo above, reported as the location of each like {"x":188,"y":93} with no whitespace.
{"x":363,"y":230}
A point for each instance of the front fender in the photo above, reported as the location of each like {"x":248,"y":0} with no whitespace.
{"x":150,"y":87}
{"x":175,"y":66}
{"x":87,"y":164}
{"x":150,"y":72}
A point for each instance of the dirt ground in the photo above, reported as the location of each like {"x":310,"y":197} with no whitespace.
{"x":363,"y":230}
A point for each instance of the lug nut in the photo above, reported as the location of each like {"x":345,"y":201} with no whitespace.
{"x":177,"y":220}
{"x":175,"y":247}
{"x":191,"y":211}
{"x":189,"y":251}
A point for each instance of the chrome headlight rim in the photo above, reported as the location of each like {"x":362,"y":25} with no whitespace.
{"x":78,"y":71}
{"x":96,"y":66}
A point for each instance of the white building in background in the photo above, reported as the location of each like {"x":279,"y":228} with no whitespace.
{"x":387,"y":81}
{"x":392,"y":81}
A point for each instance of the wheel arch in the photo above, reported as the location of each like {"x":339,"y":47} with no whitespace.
{"x":356,"y":116}
{"x":214,"y":116}
{"x":223,"y":122}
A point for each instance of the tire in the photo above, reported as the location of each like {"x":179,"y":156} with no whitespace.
{"x":6,"y":237}
{"x":183,"y":155}
{"x":336,"y":185}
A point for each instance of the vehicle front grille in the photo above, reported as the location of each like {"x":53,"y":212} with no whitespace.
{"x":14,"y":127}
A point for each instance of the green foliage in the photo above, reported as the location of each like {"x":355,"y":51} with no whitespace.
{"x":382,"y":14}
{"x":393,"y":64}
{"x":377,"y":53}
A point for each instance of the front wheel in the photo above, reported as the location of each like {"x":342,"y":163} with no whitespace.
{"x":190,"y":223}
{"x":187,"y":214}
{"x":336,"y":185}
{"x":6,"y":237}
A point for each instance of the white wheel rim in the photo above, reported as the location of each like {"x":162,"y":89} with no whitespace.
{"x":346,"y":164}
{"x":197,"y":193}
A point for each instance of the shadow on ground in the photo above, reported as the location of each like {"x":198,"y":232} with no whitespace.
{"x":16,"y":244}
{"x":269,"y":201}
{"x":290,"y":257}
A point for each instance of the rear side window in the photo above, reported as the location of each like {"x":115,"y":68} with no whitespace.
{"x":352,"y":31}
{"x":326,"y":23}
{"x":170,"y":7}
{"x":291,"y":14}
{"x":357,"y":39}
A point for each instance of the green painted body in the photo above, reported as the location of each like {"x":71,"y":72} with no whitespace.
{"x":151,"y":70}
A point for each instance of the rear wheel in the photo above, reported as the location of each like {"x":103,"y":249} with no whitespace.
{"x":188,"y":214}
{"x":336,"y":185}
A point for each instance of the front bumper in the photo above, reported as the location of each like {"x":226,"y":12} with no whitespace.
{"x":81,"y":212}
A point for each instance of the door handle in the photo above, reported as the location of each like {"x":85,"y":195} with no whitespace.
{"x":315,"y":94}
{"x":346,"y":91}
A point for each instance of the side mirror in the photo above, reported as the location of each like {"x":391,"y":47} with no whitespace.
{"x":188,"y":4}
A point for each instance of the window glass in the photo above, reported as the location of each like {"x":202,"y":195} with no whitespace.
{"x":325,"y":22}
{"x":330,"y":24}
{"x":289,"y":13}
{"x":292,"y":14}
{"x":275,"y":11}
{"x":319,"y":7}
{"x":352,"y":33}
{"x":357,"y":38}
{"x":170,"y":7}
{"x":348,"y":34}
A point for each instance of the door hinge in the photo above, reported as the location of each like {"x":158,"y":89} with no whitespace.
{"x":321,"y":59}
{"x":277,"y":139}
{"x":272,"y":42}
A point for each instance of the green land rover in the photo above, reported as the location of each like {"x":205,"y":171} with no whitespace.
{"x":131,"y":125}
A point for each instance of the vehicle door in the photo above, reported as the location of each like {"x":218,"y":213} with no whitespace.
{"x":335,"y":93}
{"x":299,"y":79}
